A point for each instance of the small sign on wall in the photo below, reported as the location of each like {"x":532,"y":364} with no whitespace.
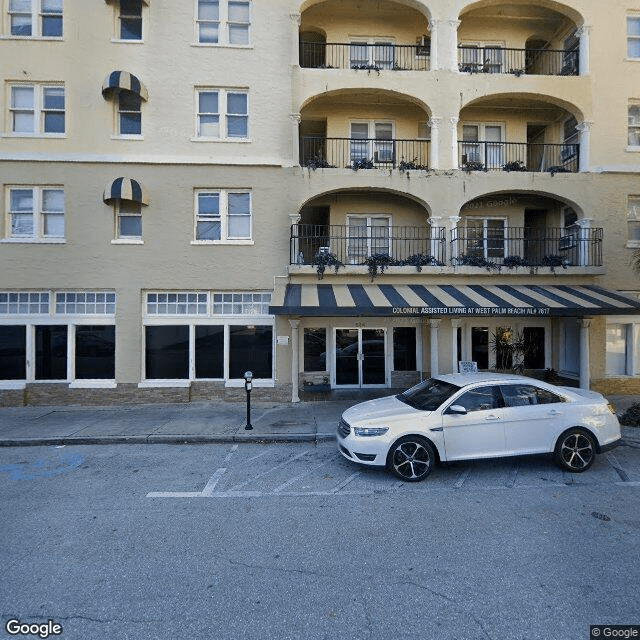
{"x":467,"y":366}
{"x":282,"y":340}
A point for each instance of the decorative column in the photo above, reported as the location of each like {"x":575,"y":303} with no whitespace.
{"x":434,"y":221}
{"x":453,"y":131}
{"x":295,"y":39}
{"x":585,"y":137}
{"x":295,"y":138}
{"x":448,"y":44}
{"x":434,"y":324}
{"x":295,"y":341}
{"x":584,"y":33}
{"x":584,"y":241}
{"x":294,"y":258}
{"x":455,"y":325}
{"x":453,"y":233}
{"x":433,"y":32}
{"x":434,"y":150}
{"x":585,"y":380}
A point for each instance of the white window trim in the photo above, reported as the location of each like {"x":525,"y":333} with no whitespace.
{"x":635,"y":217}
{"x":630,"y":37}
{"x":116,"y":25}
{"x":223,"y":115}
{"x":38,"y":236}
{"x":36,"y":24}
{"x":368,"y":217}
{"x":38,"y":111}
{"x":482,"y":44}
{"x":223,"y":28}
{"x":632,"y":338}
{"x":372,"y":42}
{"x":224,"y":217}
{"x":633,"y":147}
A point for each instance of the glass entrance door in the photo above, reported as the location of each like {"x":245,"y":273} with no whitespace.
{"x":360,"y":357}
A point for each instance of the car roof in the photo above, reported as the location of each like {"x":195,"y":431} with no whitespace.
{"x":463,"y":379}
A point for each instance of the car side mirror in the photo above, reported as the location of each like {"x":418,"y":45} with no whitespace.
{"x":457,"y":409}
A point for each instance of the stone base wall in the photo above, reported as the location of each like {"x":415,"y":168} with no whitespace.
{"x":61,"y":394}
{"x":617,"y":386}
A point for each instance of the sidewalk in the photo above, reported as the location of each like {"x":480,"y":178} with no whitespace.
{"x":197,"y":423}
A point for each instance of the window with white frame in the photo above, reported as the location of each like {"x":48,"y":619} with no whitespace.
{"x":623,"y":346}
{"x":368,"y":235}
{"x":633,"y":37}
{"x":70,"y":340}
{"x":633,"y":221}
{"x":372,"y":141}
{"x":368,"y":53}
{"x":128,"y":220}
{"x":484,"y":57}
{"x":222,"y":215}
{"x":208,"y":335}
{"x":634,"y":125}
{"x":485,"y":238}
{"x":223,"y":22}
{"x":482,"y":145}
{"x":35,"y":213}
{"x":129,"y":114}
{"x":36,"y":18}
{"x":222,"y":114}
{"x":130,"y":20}
{"x":37,"y":109}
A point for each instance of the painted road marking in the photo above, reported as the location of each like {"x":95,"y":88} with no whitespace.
{"x":43,"y":468}
{"x":462,"y":478}
{"x":207,"y":492}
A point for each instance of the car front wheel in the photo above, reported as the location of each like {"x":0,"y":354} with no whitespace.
{"x":575,"y":450}
{"x":411,"y":458}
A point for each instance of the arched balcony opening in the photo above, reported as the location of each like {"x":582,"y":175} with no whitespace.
{"x":510,"y":230}
{"x":517,"y":132}
{"x":351,"y":227}
{"x":519,"y":38}
{"x":368,"y":35}
{"x":364,"y":129}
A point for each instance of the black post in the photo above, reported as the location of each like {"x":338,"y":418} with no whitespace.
{"x":247,"y":385}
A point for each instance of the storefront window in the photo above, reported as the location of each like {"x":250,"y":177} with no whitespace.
{"x":167,"y":352}
{"x":209,"y":351}
{"x":13,"y":352}
{"x":96,"y":352}
{"x":404,"y":348}
{"x":250,"y":349}
{"x":51,"y":352}
{"x":315,"y":349}
{"x":480,"y":346}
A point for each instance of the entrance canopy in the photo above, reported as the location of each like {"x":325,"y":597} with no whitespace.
{"x":449,"y":300}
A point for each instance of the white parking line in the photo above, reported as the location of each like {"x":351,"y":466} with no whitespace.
{"x":207,"y":492}
{"x":264,"y":473}
{"x":295,"y":479}
{"x":462,"y":478}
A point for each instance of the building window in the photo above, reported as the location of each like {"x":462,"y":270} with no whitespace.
{"x":485,"y":238}
{"x":222,"y":215}
{"x":36,"y":18}
{"x":37,"y":109}
{"x":24,"y":302}
{"x":128,"y":220}
{"x":167,"y":352}
{"x":633,"y":221}
{"x":129,"y":114}
{"x":95,"y":303}
{"x":36,"y":213}
{"x":222,"y":114}
{"x":368,"y":236}
{"x":404,"y":349}
{"x":372,"y":53}
{"x":95,"y":352}
{"x":223,"y":22}
{"x":177,"y":304}
{"x":241,"y":303}
{"x":13,"y":351}
{"x":315,"y":349}
{"x":634,"y":125}
{"x":209,"y":351}
{"x":623,"y":347}
{"x":633,"y":37}
{"x":130,"y":19}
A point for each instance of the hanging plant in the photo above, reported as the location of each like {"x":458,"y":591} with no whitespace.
{"x":555,"y":261}
{"x":323,"y":260}
{"x":516,"y":165}
{"x":476,"y":261}
{"x":420,"y":260}
{"x":378,"y":262}
{"x":514,"y":261}
{"x":362,"y":164}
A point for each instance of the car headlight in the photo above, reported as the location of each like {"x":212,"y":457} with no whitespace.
{"x":370,"y":431}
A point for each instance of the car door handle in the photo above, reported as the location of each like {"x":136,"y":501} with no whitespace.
{"x":553,"y":412}
{"x":492,"y":417}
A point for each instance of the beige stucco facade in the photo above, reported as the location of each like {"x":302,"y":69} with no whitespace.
{"x":453,"y":130}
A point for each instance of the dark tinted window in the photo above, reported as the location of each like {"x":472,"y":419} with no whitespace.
{"x":480,"y":399}
{"x":523,"y":395}
{"x":167,"y":352}
{"x":51,"y":352}
{"x":404,"y":348}
{"x":96,"y":352}
{"x":315,"y":349}
{"x":428,"y":395}
{"x":210,"y":351}
{"x":250,"y":349}
{"x":13,"y":352}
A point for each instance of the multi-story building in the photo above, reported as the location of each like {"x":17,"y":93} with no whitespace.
{"x":345,"y":193}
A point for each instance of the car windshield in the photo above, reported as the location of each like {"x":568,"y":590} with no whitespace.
{"x":428,"y":395}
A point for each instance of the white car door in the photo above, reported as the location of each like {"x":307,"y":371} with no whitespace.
{"x":478,"y":433}
{"x":533,"y":418}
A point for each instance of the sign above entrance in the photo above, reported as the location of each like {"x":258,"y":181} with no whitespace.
{"x":376,"y":300}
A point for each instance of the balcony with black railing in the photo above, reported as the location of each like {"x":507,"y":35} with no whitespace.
{"x":377,"y":56}
{"x":495,"y":59}
{"x":355,"y":244}
{"x":363,"y":153}
{"x":496,"y":246}
{"x":518,"y":156}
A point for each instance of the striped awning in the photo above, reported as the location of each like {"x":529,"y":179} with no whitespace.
{"x":450,"y":300}
{"x":125,"y":189}
{"x":124,"y":81}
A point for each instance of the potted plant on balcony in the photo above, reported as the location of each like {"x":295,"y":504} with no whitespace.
{"x":473,"y":165}
{"x":322,"y":260}
{"x":378,"y":262}
{"x":475,"y":261}
{"x":420,"y":260}
{"x":516,"y":165}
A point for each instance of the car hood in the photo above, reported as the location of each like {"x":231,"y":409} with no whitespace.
{"x":379,"y":409}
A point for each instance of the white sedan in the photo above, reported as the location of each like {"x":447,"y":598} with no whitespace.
{"x":478,"y":415}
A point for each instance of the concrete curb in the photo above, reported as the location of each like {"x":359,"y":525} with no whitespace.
{"x":61,"y":441}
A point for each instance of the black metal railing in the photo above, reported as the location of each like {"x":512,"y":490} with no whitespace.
{"x":518,"y":156}
{"x":541,"y":62}
{"x":527,"y":247}
{"x":369,"y":57}
{"x":363,"y":153}
{"x":354,"y":244}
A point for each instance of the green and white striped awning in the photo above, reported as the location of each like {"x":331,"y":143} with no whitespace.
{"x":450,"y":300}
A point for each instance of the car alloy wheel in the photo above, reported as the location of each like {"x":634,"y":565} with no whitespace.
{"x":411,"y":458}
{"x":575,"y":450}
